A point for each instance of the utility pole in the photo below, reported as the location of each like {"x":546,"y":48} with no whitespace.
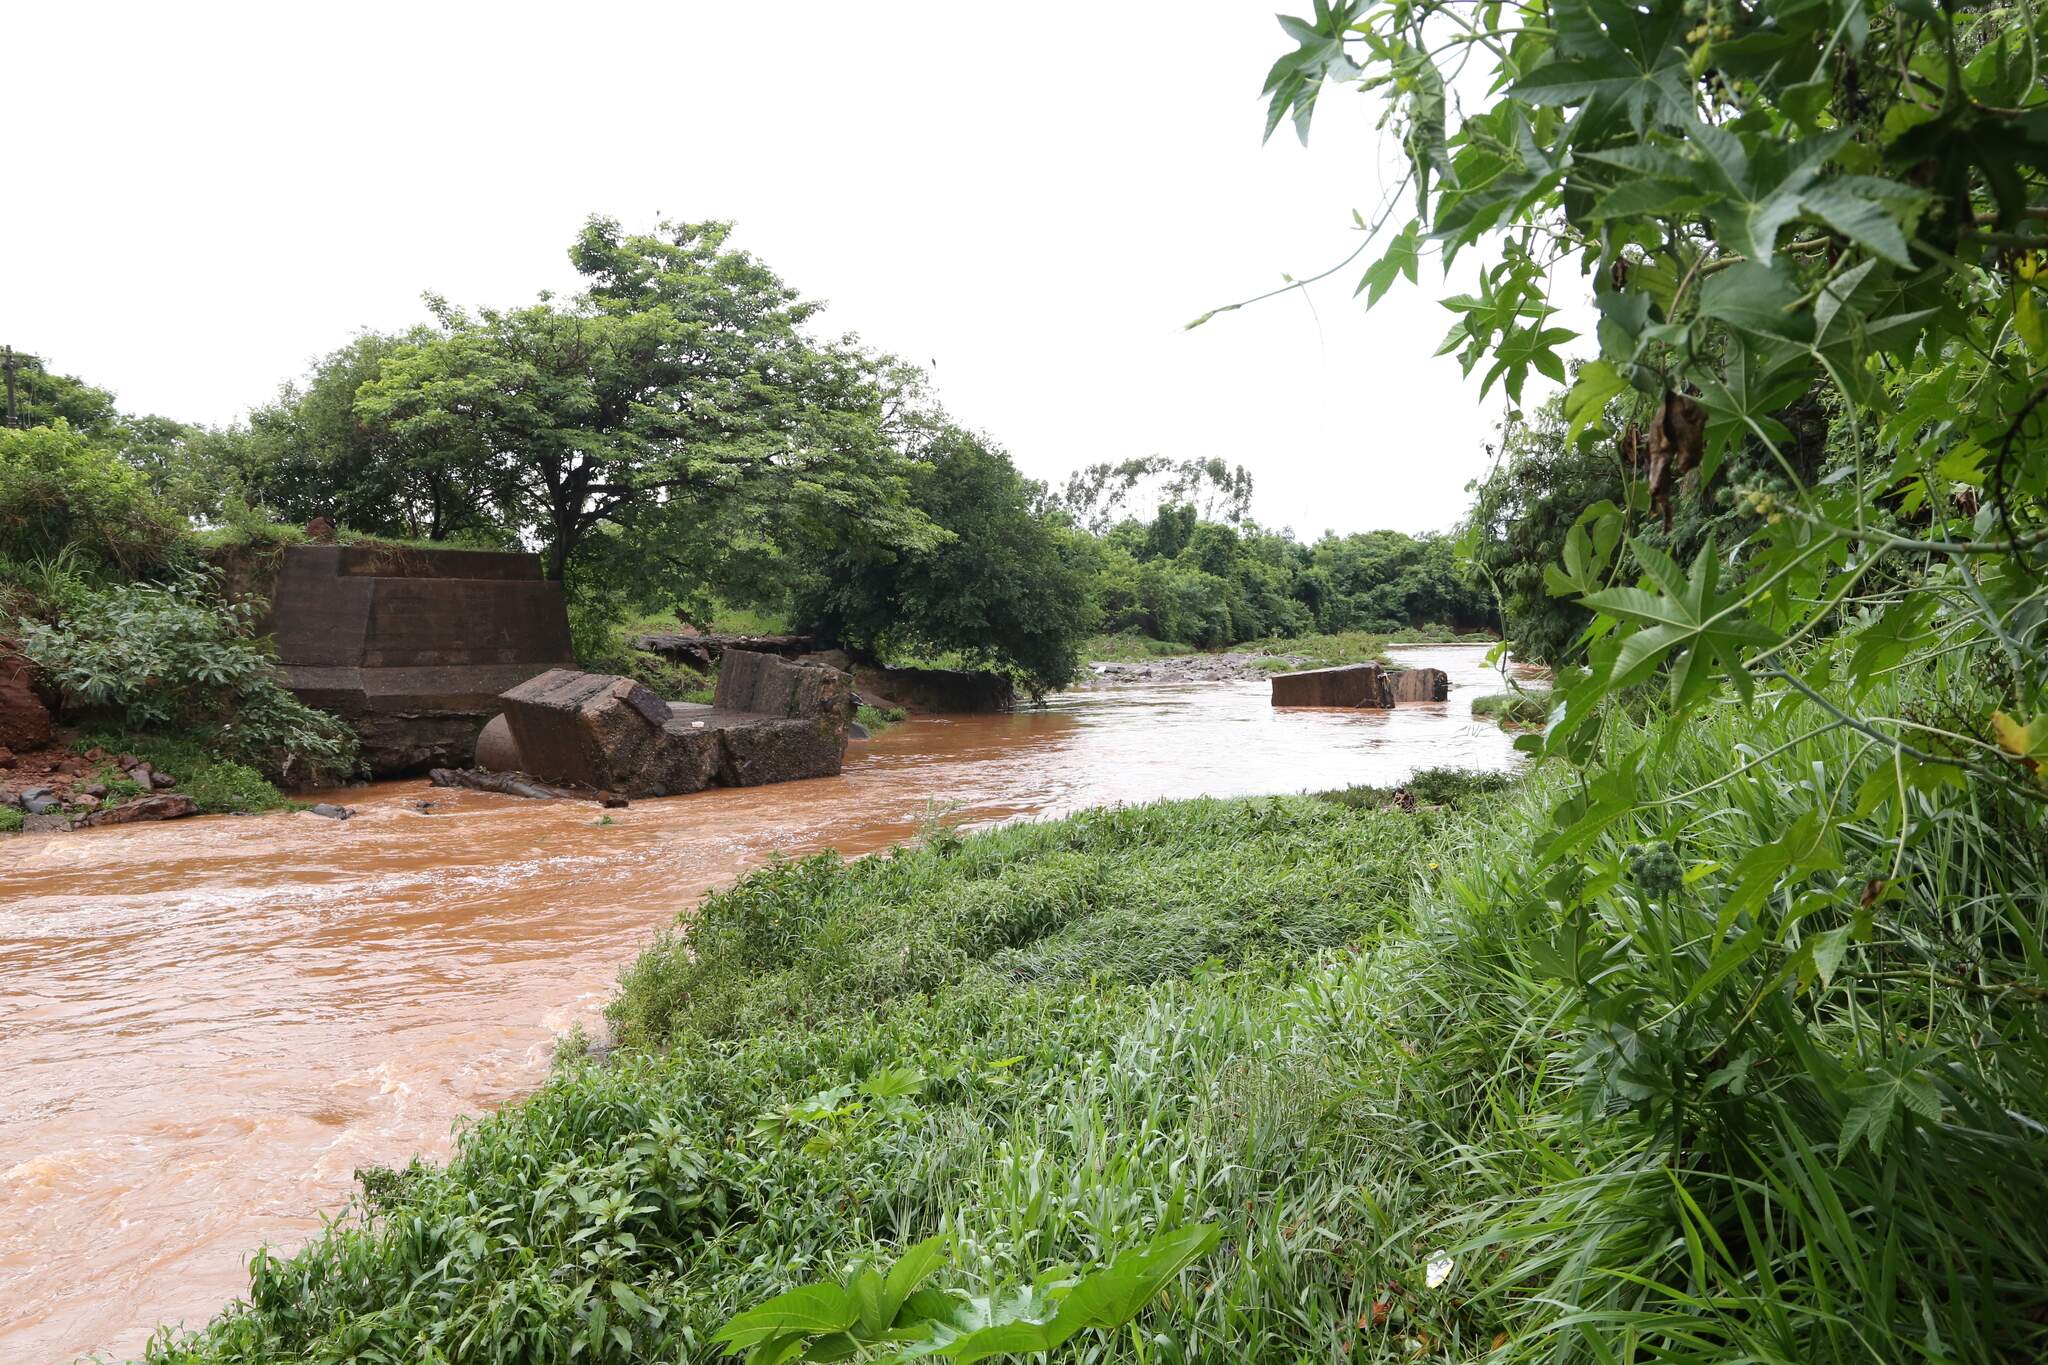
{"x":11,"y":362}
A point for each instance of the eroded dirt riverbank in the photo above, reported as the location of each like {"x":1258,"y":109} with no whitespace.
{"x":207,"y":1026}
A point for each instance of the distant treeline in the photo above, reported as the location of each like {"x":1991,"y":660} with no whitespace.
{"x":677,"y":439}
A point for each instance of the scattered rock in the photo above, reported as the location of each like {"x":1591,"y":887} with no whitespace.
{"x":140,"y":774}
{"x":85,"y":801}
{"x":37,"y":801}
{"x":162,"y":780}
{"x":164,"y":806}
{"x":1187,"y":668}
{"x":855,"y":730}
{"x":329,"y":811}
{"x":94,"y":789}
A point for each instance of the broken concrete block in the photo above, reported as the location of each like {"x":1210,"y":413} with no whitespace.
{"x":1349,"y":685}
{"x":591,"y":729}
{"x":1412,"y":685}
{"x":764,"y":685}
{"x":773,"y":721}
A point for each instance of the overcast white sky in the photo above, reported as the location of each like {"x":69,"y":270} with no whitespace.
{"x":1031,"y":199}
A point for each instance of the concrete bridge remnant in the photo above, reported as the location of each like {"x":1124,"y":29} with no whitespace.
{"x":1367,"y":686}
{"x":770,"y":720}
{"x":411,"y":647}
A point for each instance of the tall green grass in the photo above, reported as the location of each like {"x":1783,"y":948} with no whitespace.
{"x":1514,"y":1079}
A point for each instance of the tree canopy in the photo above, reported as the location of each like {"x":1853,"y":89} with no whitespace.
{"x":1002,"y":585}
{"x":682,"y":371}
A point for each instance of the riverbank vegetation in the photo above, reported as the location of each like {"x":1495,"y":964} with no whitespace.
{"x":1041,"y":1041}
{"x":1514,"y":708}
{"x":1723,"y":1035}
{"x":681,"y":440}
{"x":115,"y":603}
{"x":1443,"y":1091}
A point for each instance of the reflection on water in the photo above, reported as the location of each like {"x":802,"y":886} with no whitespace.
{"x":206,"y":1027}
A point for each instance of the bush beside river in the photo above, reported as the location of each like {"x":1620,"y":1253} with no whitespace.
{"x":1443,"y":1099}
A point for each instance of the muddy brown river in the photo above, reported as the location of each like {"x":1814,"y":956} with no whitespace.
{"x":207,"y":1026}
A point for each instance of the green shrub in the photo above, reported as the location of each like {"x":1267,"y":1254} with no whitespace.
{"x":1452,"y":787}
{"x":59,"y":494}
{"x":219,"y":784}
{"x":1321,"y":651}
{"x":1130,"y":647}
{"x":1514,"y":708}
{"x":174,"y":657}
{"x":880,"y":718}
{"x":10,"y":820}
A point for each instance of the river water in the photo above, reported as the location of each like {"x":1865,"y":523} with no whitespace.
{"x":207,"y":1026}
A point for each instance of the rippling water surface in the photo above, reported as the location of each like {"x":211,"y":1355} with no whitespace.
{"x":207,"y":1026}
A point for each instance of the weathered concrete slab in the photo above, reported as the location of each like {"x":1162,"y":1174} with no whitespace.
{"x":771,"y":721}
{"x":1353,"y":685}
{"x":412,"y":647}
{"x":591,"y":729}
{"x":1410,"y":686}
{"x":768,"y":686}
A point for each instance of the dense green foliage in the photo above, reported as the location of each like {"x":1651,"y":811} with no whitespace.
{"x":62,"y":495}
{"x":1214,"y":584}
{"x":956,"y":1038}
{"x":1000,"y":586}
{"x":1796,"y":504}
{"x":175,"y":657}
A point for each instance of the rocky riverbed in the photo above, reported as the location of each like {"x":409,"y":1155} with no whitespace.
{"x":1187,"y":668}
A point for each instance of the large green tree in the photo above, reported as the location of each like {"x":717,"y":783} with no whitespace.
{"x":43,"y":396}
{"x":1003,"y":585}
{"x":681,"y":378}
{"x":317,"y":451}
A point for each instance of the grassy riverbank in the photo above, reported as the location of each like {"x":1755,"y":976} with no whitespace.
{"x":1449,"y":1094}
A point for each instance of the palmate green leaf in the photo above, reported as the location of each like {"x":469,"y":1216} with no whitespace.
{"x":1403,"y":257}
{"x":812,"y":1309}
{"x":1297,"y":77}
{"x":1523,"y":348}
{"x":1597,"y":384}
{"x":1739,"y":404}
{"x":1756,"y":299}
{"x":1687,"y":621}
{"x":1616,"y":58}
